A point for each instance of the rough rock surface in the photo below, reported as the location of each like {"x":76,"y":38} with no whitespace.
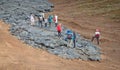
{"x":17,"y":12}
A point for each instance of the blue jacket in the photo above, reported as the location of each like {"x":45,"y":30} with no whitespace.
{"x":69,"y":32}
{"x":74,"y":36}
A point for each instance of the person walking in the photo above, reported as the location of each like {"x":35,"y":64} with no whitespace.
{"x":96,"y":35}
{"x":55,"y":19}
{"x":40,"y":18}
{"x":59,"y":30}
{"x":46,"y":21}
{"x":50,"y":20}
{"x":32,"y":19}
{"x":43,"y":16}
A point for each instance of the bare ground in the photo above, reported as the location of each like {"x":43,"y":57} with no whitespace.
{"x":15,"y":55}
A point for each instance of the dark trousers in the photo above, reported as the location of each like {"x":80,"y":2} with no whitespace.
{"x":74,"y":43}
{"x":45,"y":24}
{"x":59,"y":34}
{"x":40,"y":23}
{"x":49,"y":24}
{"x":97,"y":38}
{"x":56,"y":24}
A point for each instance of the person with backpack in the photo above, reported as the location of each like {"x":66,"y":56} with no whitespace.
{"x":50,"y":20}
{"x":69,"y":37}
{"x":59,"y":30}
{"x":96,"y":35}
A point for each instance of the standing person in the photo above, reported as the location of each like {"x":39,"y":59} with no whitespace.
{"x":74,"y":39}
{"x":40,"y":20}
{"x":32,"y":19}
{"x":50,"y":20}
{"x":46,"y":21}
{"x":59,"y":30}
{"x":97,"y":36}
{"x":43,"y":16}
{"x":55,"y":20}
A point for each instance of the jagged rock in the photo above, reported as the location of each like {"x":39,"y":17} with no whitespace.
{"x":17,"y":12}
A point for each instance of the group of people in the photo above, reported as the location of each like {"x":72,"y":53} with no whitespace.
{"x":42,"y":21}
{"x":70,"y":35}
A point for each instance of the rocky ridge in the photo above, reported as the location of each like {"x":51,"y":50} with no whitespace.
{"x":17,"y":12}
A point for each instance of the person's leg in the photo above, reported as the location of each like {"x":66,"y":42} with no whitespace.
{"x":43,"y":19}
{"x":74,"y":42}
{"x":40,"y":23}
{"x":49,"y":24}
{"x":32,"y":22}
{"x":58,"y":33}
{"x":97,"y":40}
{"x":71,"y":42}
{"x":45,"y":24}
{"x":55,"y":24}
{"x":68,"y":40}
{"x":93,"y":38}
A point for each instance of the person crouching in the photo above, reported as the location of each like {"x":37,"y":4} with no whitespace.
{"x":97,"y":36}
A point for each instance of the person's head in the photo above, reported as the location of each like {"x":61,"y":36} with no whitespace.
{"x":32,"y":14}
{"x":60,"y":24}
{"x":97,"y":30}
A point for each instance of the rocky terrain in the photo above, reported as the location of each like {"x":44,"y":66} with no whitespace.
{"x":84,"y":18}
{"x":17,"y":12}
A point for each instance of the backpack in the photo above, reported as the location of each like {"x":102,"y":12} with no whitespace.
{"x":69,"y":36}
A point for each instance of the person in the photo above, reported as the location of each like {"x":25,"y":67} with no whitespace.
{"x":59,"y":30}
{"x":97,"y":36}
{"x":43,"y":16}
{"x":69,"y":37}
{"x":50,"y":20}
{"x":40,"y":20}
{"x":32,"y":19}
{"x":55,"y":19}
{"x":46,"y":21}
{"x":74,"y":39}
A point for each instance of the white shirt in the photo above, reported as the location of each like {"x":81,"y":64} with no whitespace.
{"x":97,"y":33}
{"x":56,"y":17}
{"x":41,"y":18}
{"x":42,"y":14}
{"x":46,"y":20}
{"x":32,"y":18}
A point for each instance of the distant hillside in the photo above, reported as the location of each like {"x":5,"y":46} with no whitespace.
{"x":108,"y":8}
{"x":111,"y":8}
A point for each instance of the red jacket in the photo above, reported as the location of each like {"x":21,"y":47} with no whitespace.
{"x":59,"y":27}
